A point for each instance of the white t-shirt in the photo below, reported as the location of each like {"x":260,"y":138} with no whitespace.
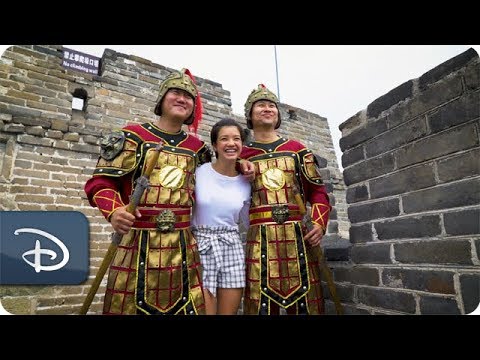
{"x":220,"y":200}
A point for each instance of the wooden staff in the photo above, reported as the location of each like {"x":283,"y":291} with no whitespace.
{"x":141,"y":185}
{"x":307,"y":221}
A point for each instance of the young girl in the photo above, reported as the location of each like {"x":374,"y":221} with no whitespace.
{"x":222,"y":203}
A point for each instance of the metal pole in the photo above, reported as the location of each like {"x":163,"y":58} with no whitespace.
{"x":276,"y":71}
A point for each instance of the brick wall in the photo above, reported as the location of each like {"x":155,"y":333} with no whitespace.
{"x":412,"y":170}
{"x":48,"y":150}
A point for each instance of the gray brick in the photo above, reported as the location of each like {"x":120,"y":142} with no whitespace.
{"x":396,"y":137}
{"x":332,"y":215}
{"x":434,"y":281}
{"x":86,"y":148}
{"x":36,"y":131}
{"x":56,"y":87}
{"x":12,"y":100}
{"x":459,"y":166}
{"x":386,"y":312}
{"x":332,"y":199}
{"x":470,"y":289}
{"x":25,"y":80}
{"x":356,"y":193}
{"x":368,"y":169}
{"x":89,"y":139}
{"x":6,"y":117}
{"x":432,"y":305}
{"x":322,"y":162}
{"x":361,"y":233}
{"x":344,"y":292}
{"x":434,"y":252}
{"x":387,"y":299}
{"x":54,"y":134}
{"x":59,"y":124}
{"x":325,"y":173}
{"x":54,"y":115}
{"x":376,"y":210}
{"x":352,"y":122}
{"x":408,"y":228}
{"x":40,"y":90}
{"x":32,"y":121}
{"x":80,"y":129}
{"x":21,"y":111}
{"x":14,"y":128}
{"x":11,"y":291}
{"x":336,"y":248}
{"x":449,"y":66}
{"x":371,"y":253}
{"x":352,"y":156}
{"x":26,"y":51}
{"x":414,"y":178}
{"x":328,"y":186}
{"x":71,"y":136}
{"x":391,"y":98}
{"x":362,"y":134}
{"x":353,"y":310}
{"x":440,"y":197}
{"x":472,"y":76}
{"x":59,"y":102}
{"x":217,"y":99}
{"x":477,"y":246}
{"x":457,"y":139}
{"x":333,"y":227}
{"x":434,"y":96}
{"x":47,"y":51}
{"x":8,"y":83}
{"x":463,"y":222}
{"x":358,"y":275}
{"x":456,"y":112}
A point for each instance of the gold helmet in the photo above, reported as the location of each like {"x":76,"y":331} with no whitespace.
{"x":260,"y":93}
{"x":178,"y":80}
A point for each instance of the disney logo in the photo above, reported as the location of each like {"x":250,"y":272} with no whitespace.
{"x":38,"y":251}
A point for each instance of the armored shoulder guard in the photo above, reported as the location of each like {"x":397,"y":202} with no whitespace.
{"x":120,"y":153}
{"x":310,"y":167}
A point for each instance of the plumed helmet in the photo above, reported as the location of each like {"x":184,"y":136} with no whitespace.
{"x":183,"y":80}
{"x":260,"y":93}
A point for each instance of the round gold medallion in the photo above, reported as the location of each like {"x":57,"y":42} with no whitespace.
{"x":171,"y":177}
{"x":273,"y":179}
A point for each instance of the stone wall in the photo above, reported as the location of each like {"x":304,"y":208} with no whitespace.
{"x":48,"y":150}
{"x":412,"y":170}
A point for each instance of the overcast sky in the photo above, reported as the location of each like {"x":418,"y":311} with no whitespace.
{"x":333,"y":81}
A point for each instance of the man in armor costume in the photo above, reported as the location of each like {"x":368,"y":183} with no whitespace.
{"x":282,"y":268}
{"x":156,"y":269}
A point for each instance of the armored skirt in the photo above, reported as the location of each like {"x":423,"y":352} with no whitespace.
{"x":155,"y":273}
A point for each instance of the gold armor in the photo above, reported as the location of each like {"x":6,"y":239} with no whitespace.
{"x":156,"y":269}
{"x":275,"y":244}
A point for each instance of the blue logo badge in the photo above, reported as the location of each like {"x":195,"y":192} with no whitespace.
{"x":43,"y":247}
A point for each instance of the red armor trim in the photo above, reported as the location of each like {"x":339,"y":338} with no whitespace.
{"x":108,"y":200}
{"x":319,"y":214}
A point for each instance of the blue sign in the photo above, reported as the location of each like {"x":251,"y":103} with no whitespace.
{"x":76,"y":60}
{"x":43,"y":247}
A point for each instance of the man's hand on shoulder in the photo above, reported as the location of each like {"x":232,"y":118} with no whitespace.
{"x":247,"y":169}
